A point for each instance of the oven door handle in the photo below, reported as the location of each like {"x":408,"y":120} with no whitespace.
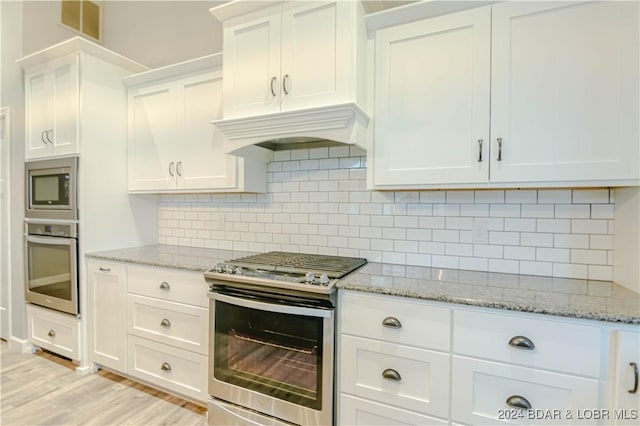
{"x":272,"y":307}
{"x":58,"y":241}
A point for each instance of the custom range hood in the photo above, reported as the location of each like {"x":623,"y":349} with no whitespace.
{"x":256,"y":136}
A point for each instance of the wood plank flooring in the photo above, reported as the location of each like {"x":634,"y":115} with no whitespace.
{"x":44,"y":389}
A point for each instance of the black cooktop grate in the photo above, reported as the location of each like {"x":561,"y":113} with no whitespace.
{"x":300,"y":263}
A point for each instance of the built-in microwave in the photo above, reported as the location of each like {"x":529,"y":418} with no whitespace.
{"x":51,"y":189}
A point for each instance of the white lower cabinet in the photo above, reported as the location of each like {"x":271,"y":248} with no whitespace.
{"x":394,"y":361}
{"x":54,"y":331}
{"x":362,"y":412}
{"x":150,"y":323}
{"x":409,"y":361}
{"x":487,"y":392}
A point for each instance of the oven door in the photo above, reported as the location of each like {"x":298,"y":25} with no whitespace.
{"x":52,"y":272}
{"x":273,"y":358}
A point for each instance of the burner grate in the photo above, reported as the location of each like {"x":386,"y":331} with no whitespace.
{"x":301,"y":263}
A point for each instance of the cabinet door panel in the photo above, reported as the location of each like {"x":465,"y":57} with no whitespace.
{"x":626,"y":405}
{"x":107,"y":310}
{"x":39,"y":113}
{"x":203,"y":163}
{"x":316,"y":55}
{"x":432,"y":101}
{"x":565,"y":91}
{"x":151,"y":139}
{"x":66,"y":106}
{"x":251,"y":61}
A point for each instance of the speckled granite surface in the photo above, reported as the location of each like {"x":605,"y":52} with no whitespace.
{"x":178,"y":257}
{"x":595,"y":300}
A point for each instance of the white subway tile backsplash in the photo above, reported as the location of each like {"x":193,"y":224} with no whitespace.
{"x":317,"y":202}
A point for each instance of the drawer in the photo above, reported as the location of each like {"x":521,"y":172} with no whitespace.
{"x":420,"y":324}
{"x":561,"y":346}
{"x":423,"y":385}
{"x":174,"y":369}
{"x":361,"y":412}
{"x":56,"y":332}
{"x":168,"y":284}
{"x":480,"y":390}
{"x":172,"y":323}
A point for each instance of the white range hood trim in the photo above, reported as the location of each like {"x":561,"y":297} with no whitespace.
{"x":343,"y":123}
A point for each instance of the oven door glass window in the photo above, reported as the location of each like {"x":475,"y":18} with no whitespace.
{"x":50,"y":267}
{"x":50,"y":190}
{"x":273,"y":353}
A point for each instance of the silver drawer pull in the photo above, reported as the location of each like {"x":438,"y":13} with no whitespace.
{"x":635,"y":377}
{"x":51,"y":333}
{"x":391,"y":374}
{"x":391,"y":322}
{"x":521,"y":342}
{"x":105,"y":269}
{"x":165,"y":286}
{"x":517,"y":401}
{"x":165,"y":366}
{"x":165,"y":323}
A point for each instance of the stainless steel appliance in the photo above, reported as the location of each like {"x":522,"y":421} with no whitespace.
{"x":271,"y":338}
{"x":51,"y":265}
{"x":51,"y":189}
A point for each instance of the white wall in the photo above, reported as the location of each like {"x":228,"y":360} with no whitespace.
{"x":160,"y":33}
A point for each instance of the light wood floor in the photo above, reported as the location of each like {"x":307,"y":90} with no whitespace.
{"x":44,"y":389}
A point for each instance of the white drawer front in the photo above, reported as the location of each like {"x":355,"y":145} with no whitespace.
{"x":184,"y":372}
{"x":177,"y":286}
{"x":54,"y":331}
{"x":167,"y":322}
{"x":424,"y":375}
{"x":559,"y":346}
{"x":360,"y":412}
{"x":480,"y":390}
{"x":420,"y":324}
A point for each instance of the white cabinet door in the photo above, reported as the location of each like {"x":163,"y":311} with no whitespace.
{"x":106,"y":295}
{"x":317,"y":57}
{"x":52,"y":102}
{"x":252,"y":66}
{"x":152,"y":138}
{"x":626,"y":391}
{"x":432,"y":101}
{"x":201,"y":161}
{"x":361,"y":412}
{"x":564,"y":91}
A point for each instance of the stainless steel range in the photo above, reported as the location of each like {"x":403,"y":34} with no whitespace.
{"x":271,"y":339}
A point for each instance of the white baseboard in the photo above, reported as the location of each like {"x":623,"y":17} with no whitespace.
{"x":21,"y":345}
{"x":83,"y":370}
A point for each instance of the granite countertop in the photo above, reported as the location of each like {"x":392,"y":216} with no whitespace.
{"x":169,"y":256}
{"x":595,"y":300}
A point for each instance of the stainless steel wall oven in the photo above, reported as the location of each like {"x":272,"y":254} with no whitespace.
{"x":271,"y":342}
{"x":51,"y":265}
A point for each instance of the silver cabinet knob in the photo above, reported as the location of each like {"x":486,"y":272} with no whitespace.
{"x":165,"y":323}
{"x":165,"y":366}
{"x":51,"y":333}
{"x":165,"y":286}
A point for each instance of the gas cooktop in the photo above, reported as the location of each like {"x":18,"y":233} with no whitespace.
{"x":314,"y":273}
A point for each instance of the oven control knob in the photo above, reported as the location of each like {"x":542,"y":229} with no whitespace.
{"x":324,"y":279}
{"x":239,"y":270}
{"x":219,"y":268}
{"x":230,"y":269}
{"x":308,"y":277}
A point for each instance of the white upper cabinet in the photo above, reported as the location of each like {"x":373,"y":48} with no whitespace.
{"x":52,"y":105}
{"x":564,"y":92}
{"x":288,"y":56}
{"x":510,"y":95}
{"x":432,"y":101}
{"x":172,"y":144}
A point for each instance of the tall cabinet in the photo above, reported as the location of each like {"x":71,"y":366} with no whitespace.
{"x":76,"y":104}
{"x":508,"y":95}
